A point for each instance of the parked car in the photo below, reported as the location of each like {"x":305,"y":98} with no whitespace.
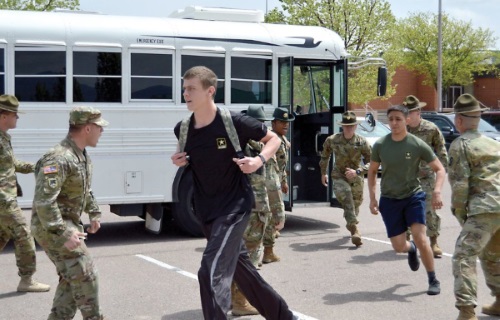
{"x":371,"y":132}
{"x":492,"y":117}
{"x":446,"y":123}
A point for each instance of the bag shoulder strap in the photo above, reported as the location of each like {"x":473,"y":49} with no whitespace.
{"x":230,"y":129}
{"x":228,"y":124}
{"x":183,"y":132}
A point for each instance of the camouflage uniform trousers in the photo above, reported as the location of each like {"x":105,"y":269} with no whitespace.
{"x":350,"y":195}
{"x":276,"y":206}
{"x":259,"y":218}
{"x":78,"y":278}
{"x":480,"y":237}
{"x":13,"y":226}
{"x":432,"y":218}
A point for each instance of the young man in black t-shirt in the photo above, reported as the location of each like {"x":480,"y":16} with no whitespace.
{"x":223,"y":199}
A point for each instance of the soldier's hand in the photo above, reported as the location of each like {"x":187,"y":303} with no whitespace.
{"x":74,"y":241}
{"x":284,"y":188}
{"x":94,"y":226}
{"x":437,"y":202}
{"x":374,"y":207}
{"x":280,"y":225}
{"x":180,"y":159}
{"x":248,"y":164}
{"x":324,"y":180}
{"x":350,"y":173}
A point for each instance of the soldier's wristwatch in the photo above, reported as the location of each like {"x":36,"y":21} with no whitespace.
{"x":358,"y":172}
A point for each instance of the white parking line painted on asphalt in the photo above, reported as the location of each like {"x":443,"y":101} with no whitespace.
{"x":298,"y":315}
{"x":167,"y":266}
{"x":389,"y":243}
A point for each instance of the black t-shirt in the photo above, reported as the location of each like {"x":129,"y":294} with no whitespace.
{"x":220,"y":188}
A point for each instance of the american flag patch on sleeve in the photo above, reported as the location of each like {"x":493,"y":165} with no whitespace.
{"x":49,"y":169}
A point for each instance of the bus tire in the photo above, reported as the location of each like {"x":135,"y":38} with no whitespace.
{"x":183,"y":210}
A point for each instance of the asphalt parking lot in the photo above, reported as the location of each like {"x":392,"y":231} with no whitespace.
{"x":321,"y":274}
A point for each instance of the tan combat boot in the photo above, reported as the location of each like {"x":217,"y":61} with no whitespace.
{"x":240,"y":304}
{"x":436,"y":250}
{"x":355,"y":235}
{"x":466,"y":313}
{"x":269,"y":255}
{"x":492,"y":309}
{"x":27,"y":284}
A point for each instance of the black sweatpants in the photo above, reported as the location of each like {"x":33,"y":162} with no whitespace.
{"x":225,"y":256}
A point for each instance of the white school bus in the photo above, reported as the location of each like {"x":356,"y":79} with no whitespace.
{"x":131,"y":69}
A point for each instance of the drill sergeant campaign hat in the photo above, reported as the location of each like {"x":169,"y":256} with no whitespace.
{"x":9,"y":103}
{"x":348,"y":119}
{"x":85,"y":115}
{"x":256,"y":112}
{"x":282,"y":114}
{"x":467,"y":103}
{"x":412,"y":103}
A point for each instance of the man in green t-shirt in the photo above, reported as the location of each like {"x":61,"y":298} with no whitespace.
{"x":402,"y":201}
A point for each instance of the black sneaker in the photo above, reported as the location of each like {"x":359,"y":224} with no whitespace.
{"x":434,"y":288}
{"x":413,"y":258}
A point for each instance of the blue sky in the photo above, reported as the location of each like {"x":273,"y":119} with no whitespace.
{"x":482,"y":13}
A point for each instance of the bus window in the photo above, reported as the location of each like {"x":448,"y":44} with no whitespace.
{"x":251,"y":80}
{"x":311,"y":89}
{"x":215,"y":63}
{"x":40,"y":76}
{"x":2,"y":71}
{"x":97,"y":76}
{"x":151,"y":76}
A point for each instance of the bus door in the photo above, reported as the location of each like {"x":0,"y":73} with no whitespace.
{"x":314,"y":90}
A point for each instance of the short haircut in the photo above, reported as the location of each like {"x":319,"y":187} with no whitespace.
{"x":206,"y":76}
{"x":399,"y":108}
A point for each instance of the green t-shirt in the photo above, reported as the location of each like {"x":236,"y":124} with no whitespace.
{"x":400,"y":164}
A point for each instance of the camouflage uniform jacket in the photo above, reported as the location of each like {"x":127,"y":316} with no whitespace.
{"x":474,"y":173}
{"x":62,"y":191}
{"x":347,"y":154}
{"x":282,"y":157}
{"x":431,"y":135}
{"x":9,"y":165}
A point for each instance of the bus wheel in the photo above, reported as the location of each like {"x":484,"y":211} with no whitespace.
{"x":183,"y":211}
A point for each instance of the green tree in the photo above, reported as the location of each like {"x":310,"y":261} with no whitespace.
{"x":464,"y":48}
{"x":39,"y":5}
{"x":366,"y":26}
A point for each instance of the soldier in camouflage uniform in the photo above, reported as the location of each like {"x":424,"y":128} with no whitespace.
{"x":474,"y":174}
{"x":258,"y":220}
{"x":62,"y":194}
{"x":13,"y":225}
{"x":347,"y":174}
{"x":431,"y":135}
{"x":276,"y":182}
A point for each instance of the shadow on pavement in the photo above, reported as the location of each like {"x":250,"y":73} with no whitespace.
{"x":299,"y":225}
{"x":184,"y":315}
{"x":388,"y":255}
{"x":11,"y":294}
{"x":370,"y":296}
{"x":339,"y":244}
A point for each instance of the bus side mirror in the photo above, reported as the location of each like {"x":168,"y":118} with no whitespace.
{"x":381,"y":81}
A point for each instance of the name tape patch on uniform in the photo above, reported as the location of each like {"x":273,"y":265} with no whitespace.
{"x":50,"y":169}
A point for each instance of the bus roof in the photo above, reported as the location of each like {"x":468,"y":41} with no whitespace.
{"x":63,"y":28}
